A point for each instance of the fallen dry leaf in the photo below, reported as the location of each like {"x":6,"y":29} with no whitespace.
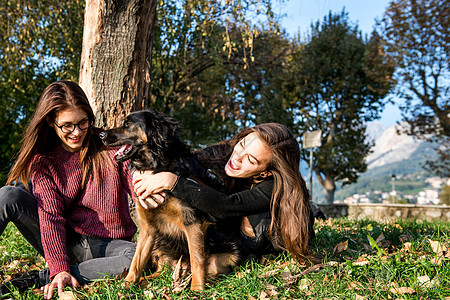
{"x":355,"y":285}
{"x":179,"y":286}
{"x":361,"y":261}
{"x":272,"y":292}
{"x":437,"y":247}
{"x":263,"y":296}
{"x":438,"y":260}
{"x":340,"y":247}
{"x":270,"y":273}
{"x":176,"y":275}
{"x":395,"y":289}
{"x":407,"y":246}
{"x":367,"y":247}
{"x":425,"y":282}
{"x":149,"y":294}
{"x":287,"y":276}
{"x":241,"y":275}
{"x":379,"y":239}
{"x":274,"y":271}
{"x":67,"y":296}
{"x":304,"y":284}
{"x":250,"y":297}
{"x":358,"y":297}
{"x":403,"y":238}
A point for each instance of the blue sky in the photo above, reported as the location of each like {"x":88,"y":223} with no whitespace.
{"x":299,"y":14}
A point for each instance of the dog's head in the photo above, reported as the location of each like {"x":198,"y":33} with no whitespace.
{"x":149,"y":138}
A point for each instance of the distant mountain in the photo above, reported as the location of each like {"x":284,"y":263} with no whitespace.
{"x":392,"y":154}
{"x":374,"y":130}
{"x":390,"y":147}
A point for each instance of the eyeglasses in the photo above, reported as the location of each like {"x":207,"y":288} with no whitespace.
{"x":69,"y":127}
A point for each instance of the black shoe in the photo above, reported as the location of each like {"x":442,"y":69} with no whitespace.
{"x":21,"y":282}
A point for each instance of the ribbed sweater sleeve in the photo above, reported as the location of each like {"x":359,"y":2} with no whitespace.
{"x":99,"y":210}
{"x":221,"y":205}
{"x":51,"y":210}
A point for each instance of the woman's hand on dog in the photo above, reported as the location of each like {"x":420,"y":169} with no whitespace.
{"x":150,"y":187}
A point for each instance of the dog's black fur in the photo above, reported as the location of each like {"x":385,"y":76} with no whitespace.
{"x":152,"y":143}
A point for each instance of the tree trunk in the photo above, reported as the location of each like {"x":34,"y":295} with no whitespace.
{"x":328,"y":186}
{"x":116,"y":57}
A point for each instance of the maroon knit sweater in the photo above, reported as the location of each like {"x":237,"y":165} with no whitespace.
{"x":100,"y":210}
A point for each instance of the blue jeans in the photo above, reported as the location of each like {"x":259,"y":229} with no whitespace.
{"x":91,"y":258}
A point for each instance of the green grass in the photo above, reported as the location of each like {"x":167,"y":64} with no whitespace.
{"x":360,"y":260}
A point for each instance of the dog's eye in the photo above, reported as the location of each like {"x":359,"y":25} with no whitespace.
{"x":126,"y":124}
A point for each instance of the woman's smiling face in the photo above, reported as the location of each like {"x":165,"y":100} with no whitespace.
{"x":250,"y":157}
{"x":71,"y":141}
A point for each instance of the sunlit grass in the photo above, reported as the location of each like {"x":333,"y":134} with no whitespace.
{"x":361,"y":259}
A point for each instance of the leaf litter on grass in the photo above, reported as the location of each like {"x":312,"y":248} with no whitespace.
{"x":405,"y":259}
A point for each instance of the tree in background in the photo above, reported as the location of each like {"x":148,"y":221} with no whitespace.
{"x":40,"y":41}
{"x":337,"y":83}
{"x":116,"y":67}
{"x":116,"y":57}
{"x":261,"y":84}
{"x":444,"y":196}
{"x":416,"y":33}
{"x":200,"y":49}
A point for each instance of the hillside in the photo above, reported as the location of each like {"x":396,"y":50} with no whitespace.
{"x":399,"y":155}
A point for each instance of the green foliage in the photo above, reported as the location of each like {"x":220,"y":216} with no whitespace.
{"x":415,"y":34}
{"x":40,"y":41}
{"x":203,"y":53}
{"x":338,"y":83}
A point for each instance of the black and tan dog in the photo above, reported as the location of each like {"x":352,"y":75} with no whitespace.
{"x":172,"y":230}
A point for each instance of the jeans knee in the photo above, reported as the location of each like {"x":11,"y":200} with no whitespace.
{"x":129,"y":253}
{"x":10,"y":195}
{"x":13,"y":198}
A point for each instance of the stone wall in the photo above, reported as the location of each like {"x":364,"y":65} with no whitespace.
{"x":385,"y":212}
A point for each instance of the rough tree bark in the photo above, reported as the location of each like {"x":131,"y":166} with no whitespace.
{"x":116,"y":57}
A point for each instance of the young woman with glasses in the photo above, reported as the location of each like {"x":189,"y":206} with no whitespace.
{"x":75,"y":212}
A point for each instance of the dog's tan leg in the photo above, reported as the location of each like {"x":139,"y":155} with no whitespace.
{"x":196,"y":244}
{"x":143,"y":250}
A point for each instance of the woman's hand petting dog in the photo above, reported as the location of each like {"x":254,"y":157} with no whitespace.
{"x":150,"y":188}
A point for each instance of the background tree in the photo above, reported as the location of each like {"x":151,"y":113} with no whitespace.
{"x":417,"y":34}
{"x":116,"y":57}
{"x":444,"y":196}
{"x":260,"y":85}
{"x":337,"y":83}
{"x":40,"y":41}
{"x":200,"y":47}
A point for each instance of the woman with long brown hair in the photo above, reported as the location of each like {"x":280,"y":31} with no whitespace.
{"x":75,"y":212}
{"x":265,"y":190}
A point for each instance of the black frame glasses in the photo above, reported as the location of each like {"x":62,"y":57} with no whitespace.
{"x":69,"y":127}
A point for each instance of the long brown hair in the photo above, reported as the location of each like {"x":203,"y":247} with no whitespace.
{"x":40,"y":137}
{"x":290,"y":209}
